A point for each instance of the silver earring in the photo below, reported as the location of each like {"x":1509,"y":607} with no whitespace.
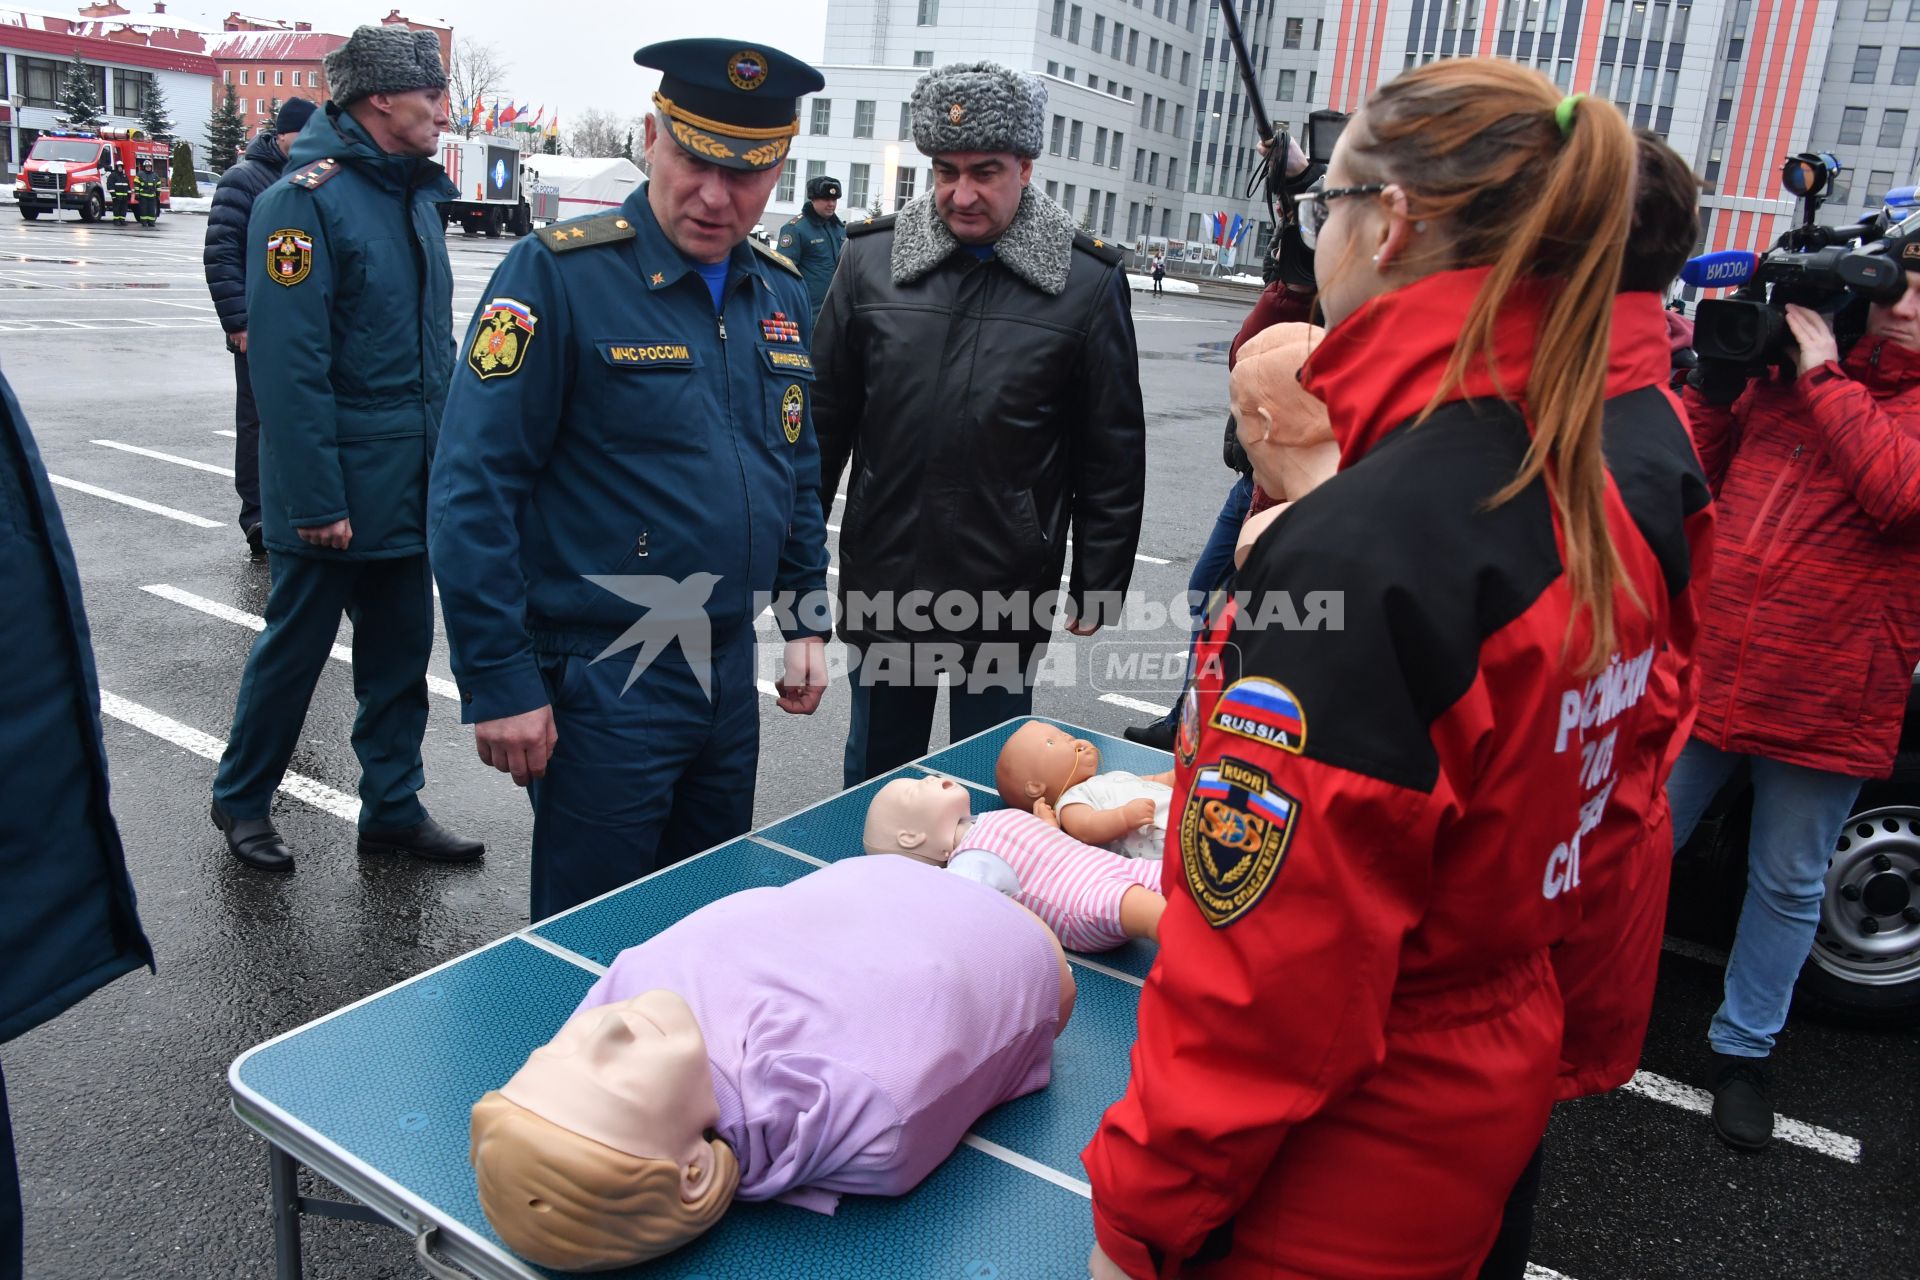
{"x":1376,"y":259}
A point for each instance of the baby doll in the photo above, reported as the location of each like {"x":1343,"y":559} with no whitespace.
{"x":1057,"y":777}
{"x":1284,"y":430}
{"x":1094,"y":900}
{"x":790,"y":1043}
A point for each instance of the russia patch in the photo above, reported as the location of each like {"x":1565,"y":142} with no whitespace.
{"x":1233,"y":838}
{"x":289,"y":256}
{"x":1262,"y":711}
{"x":501,"y":338}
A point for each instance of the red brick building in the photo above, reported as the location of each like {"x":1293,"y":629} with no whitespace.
{"x":264,"y":59}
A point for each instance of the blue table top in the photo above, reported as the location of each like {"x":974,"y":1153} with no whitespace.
{"x":419,"y":1055}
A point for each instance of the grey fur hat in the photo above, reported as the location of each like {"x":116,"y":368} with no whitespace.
{"x":978,"y":106}
{"x":384,"y":60}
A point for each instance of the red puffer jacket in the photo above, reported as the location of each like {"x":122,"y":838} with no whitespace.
{"x":1812,"y":619}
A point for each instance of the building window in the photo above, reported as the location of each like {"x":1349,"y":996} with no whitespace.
{"x":1100,"y":31}
{"x":1139,"y":164}
{"x":1160,"y":115}
{"x":816,"y":169}
{"x":1126,"y":92}
{"x":1313,"y":85}
{"x":906,"y":121}
{"x":1879,"y":182}
{"x":1117,"y":30}
{"x":313,"y":79}
{"x":1073,"y":140}
{"x":857,"y":176}
{"x":1113,"y":156}
{"x":130,"y":90}
{"x":1066,"y":197}
{"x":280,"y":79}
{"x":1059,"y":133}
{"x":1099,"y":146}
{"x":1113,"y":89}
{"x":244,"y":73}
{"x":1186,"y":67}
{"x":1091,"y":222}
{"x":1069,"y":74}
{"x":1106,"y":216}
{"x":1853,"y":126}
{"x":863,"y":118}
{"x":1287,"y":79}
{"x":1133,"y":220}
{"x":1290,"y":36}
{"x":1093,"y":81}
{"x":1669,"y":87}
{"x":783,"y":193}
{"x":1893,"y":128}
{"x":1681,"y":14}
{"x":1879,"y":10}
{"x":1866,"y":64}
{"x":1153,"y":170}
{"x":1153,"y":51}
{"x":1166,"y":60}
{"x":1616,"y":12}
{"x":903,"y":185}
{"x":1133,"y":49}
{"x":822,"y":117}
{"x":1053,"y":192}
{"x":1073,"y":25}
{"x":240,"y":106}
{"x":226,"y":77}
{"x":1180,"y":121}
{"x":1906,"y":65}
{"x":1841,"y":192}
{"x":1059,"y":16}
{"x":923,"y":57}
{"x":1320,"y":25}
{"x":1146,"y":110}
{"x":259,"y":106}
{"x":1193,"y":226}
{"x":929,"y":13}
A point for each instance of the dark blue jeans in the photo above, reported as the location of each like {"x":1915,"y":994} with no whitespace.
{"x":1215,"y":565}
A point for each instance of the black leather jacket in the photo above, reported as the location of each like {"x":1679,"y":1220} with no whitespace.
{"x":984,"y":419}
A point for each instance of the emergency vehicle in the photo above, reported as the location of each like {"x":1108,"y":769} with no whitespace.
{"x":68,"y":170}
{"x":491,"y":198}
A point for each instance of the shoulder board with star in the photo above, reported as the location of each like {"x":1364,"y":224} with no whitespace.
{"x":774,"y":256}
{"x":311,"y":176}
{"x":1105,"y":250}
{"x":586,"y":233}
{"x":866,"y":225}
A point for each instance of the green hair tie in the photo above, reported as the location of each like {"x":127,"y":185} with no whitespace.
{"x":1563,"y":114}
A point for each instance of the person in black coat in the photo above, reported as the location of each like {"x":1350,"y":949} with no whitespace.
{"x":68,"y":925}
{"x":225,"y":260}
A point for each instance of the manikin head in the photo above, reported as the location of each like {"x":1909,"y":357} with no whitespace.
{"x":918,"y":817}
{"x":1282,"y":426}
{"x":597,"y":1154}
{"x":1040,"y":762}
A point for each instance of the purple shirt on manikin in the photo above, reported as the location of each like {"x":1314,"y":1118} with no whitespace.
{"x":858,"y":1020}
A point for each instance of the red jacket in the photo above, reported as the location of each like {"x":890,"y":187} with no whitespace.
{"x":1813,"y":616}
{"x":1347,"y":1048}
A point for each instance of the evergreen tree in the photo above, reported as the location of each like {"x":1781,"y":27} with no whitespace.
{"x":80,"y":107}
{"x":626,"y":152}
{"x":226,"y":134}
{"x":184,"y":183}
{"x":273,"y":110}
{"x":154,"y":119}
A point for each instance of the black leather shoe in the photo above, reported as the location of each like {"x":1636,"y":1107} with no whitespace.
{"x":256,"y":545}
{"x":426,"y":839}
{"x":1742,"y":1111}
{"x":253,"y":841}
{"x":1158,"y":735}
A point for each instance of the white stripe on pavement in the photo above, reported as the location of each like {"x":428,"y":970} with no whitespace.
{"x":1801,"y":1134}
{"x":174,"y":458}
{"x":254,"y":622}
{"x":1537,"y":1272}
{"x":299,"y":786}
{"x":231,"y":435}
{"x":1135,"y":704}
{"x":184,"y":517}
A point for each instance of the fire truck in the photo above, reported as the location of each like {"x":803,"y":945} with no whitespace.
{"x":70,"y":170}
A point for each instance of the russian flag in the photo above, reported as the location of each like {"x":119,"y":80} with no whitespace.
{"x":1274,"y":808}
{"x":1211,"y":785}
{"x":1263,"y":703}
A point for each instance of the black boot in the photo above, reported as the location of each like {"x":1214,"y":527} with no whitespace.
{"x":253,"y":841}
{"x":424,"y":839}
{"x":1742,"y":1110}
{"x":256,"y":545}
{"x":1158,"y":735}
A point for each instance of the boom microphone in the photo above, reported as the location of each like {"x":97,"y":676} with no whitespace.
{"x":1721,"y":270}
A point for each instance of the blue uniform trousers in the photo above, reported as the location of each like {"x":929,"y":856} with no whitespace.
{"x":642,"y":779}
{"x":892,"y":720}
{"x":391,"y":604}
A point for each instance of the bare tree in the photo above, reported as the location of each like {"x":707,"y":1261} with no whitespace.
{"x":478,"y":72}
{"x":596,"y":133}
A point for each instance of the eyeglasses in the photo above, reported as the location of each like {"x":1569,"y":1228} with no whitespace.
{"x":1311,"y":207}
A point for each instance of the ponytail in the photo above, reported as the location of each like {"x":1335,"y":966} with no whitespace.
{"x":1538,"y":187}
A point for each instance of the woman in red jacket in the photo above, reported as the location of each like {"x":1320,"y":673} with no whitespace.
{"x":1812,"y":627}
{"x":1349,"y":1044}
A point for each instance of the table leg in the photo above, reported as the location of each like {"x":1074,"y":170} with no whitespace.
{"x":283,"y":1186}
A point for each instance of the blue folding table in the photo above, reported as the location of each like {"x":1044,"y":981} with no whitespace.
{"x":375,"y":1097}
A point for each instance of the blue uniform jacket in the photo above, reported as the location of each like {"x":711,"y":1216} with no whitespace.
{"x":350,"y":305}
{"x":814,"y":244}
{"x":604,"y":421}
{"x":67,"y":920}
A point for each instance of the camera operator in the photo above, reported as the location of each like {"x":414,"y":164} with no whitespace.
{"x":1809,"y":637}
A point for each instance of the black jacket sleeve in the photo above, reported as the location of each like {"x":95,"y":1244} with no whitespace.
{"x":225,"y":255}
{"x":1109,"y":454}
{"x":839,"y":388}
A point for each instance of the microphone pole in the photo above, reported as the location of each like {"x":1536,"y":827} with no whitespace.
{"x":1248,"y":77}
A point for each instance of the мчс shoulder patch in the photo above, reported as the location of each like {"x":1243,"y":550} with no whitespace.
{"x":501,"y":340}
{"x":1233,"y":838}
{"x":1264,"y":711}
{"x":289,"y":256}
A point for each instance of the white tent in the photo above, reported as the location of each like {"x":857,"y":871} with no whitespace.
{"x":584,"y":184}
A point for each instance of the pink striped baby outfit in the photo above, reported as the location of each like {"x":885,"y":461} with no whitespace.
{"x":1076,"y":888}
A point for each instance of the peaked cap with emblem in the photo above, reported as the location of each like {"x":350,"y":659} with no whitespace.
{"x":733,"y":103}
{"x":978,"y":106}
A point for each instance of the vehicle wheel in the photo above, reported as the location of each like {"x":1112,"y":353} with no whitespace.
{"x":92,"y":209}
{"x":31,"y":215}
{"x":521,"y":223}
{"x":495,"y":224}
{"x":1865,"y":966}
{"x":468,"y":229}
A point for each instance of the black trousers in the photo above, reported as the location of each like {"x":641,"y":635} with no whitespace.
{"x":246,"y":444}
{"x":1508,"y":1259}
{"x":12,"y":1225}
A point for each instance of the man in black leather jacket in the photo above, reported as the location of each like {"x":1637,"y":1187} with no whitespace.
{"x":225,"y":261}
{"x":976,"y":366}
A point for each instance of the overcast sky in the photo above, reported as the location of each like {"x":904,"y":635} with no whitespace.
{"x":569,"y":55}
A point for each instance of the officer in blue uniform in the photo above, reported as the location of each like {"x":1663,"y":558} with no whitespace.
{"x":348,"y":296}
{"x":814,"y":237}
{"x":627,"y":460}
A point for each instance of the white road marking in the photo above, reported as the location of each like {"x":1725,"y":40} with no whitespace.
{"x":1801,"y":1134}
{"x":1135,"y":704}
{"x":254,"y":622}
{"x":174,"y":458}
{"x":184,"y":517}
{"x":231,"y":435}
{"x":1538,"y":1272}
{"x":299,"y":786}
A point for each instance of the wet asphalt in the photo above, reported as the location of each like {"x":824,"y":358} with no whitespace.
{"x":134,"y":1166}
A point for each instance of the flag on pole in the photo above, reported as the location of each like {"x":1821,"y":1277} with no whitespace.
{"x":474,"y":119}
{"x":510,"y":114}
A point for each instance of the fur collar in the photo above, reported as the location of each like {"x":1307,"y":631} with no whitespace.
{"x":1038,"y":247}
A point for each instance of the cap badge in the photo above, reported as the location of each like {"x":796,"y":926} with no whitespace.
{"x":747,"y":69}
{"x":956,"y":112}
